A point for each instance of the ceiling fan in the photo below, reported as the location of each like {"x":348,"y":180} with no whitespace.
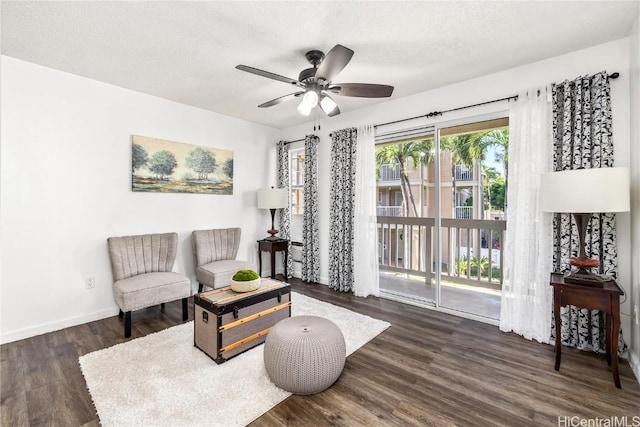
{"x":316,"y":82}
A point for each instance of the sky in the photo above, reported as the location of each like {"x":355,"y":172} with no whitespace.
{"x":490,"y":160}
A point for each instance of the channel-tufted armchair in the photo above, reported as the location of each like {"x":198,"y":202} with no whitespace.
{"x":215,"y":254}
{"x":142,"y":276}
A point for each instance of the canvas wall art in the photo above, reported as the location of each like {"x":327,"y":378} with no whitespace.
{"x":158,"y":165}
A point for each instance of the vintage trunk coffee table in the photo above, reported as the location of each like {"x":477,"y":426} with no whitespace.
{"x":227,"y":323}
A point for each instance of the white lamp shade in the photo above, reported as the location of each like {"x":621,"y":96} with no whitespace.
{"x":586,"y":190}
{"x":273,"y":198}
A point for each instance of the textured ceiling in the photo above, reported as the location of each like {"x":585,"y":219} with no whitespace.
{"x":187,"y":51}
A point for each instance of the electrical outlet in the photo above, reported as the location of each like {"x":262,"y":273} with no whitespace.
{"x":90,"y":282}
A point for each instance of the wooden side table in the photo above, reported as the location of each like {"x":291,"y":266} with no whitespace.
{"x":605,"y":299}
{"x":273,"y":246}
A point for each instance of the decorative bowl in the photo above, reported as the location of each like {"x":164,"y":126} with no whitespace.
{"x":246,"y":286}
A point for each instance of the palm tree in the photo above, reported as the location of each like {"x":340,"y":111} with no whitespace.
{"x":420,"y":152}
{"x":472,"y":147}
{"x":498,"y":138}
{"x":464,"y":150}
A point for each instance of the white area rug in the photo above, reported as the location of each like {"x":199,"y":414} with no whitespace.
{"x":163,"y":380}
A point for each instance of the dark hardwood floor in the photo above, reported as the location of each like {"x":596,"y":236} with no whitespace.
{"x":427,"y":369}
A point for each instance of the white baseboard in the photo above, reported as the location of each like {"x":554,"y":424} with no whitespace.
{"x":32,"y":331}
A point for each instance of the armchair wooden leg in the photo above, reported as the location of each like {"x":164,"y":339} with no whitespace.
{"x":127,"y":324}
{"x":120,"y":315}
{"x":199,"y":287}
{"x":162,"y":306}
{"x":185,"y":309}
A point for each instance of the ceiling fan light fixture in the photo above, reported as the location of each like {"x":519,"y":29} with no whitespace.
{"x":308,"y":103}
{"x":316,"y":82}
{"x":304,"y":108}
{"x":328,"y":104}
{"x":310,"y":98}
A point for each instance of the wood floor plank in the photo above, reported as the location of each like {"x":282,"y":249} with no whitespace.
{"x":14,"y":410}
{"x":43,"y":408}
{"x":427,"y":369}
{"x":11,"y":350}
{"x":417,"y":416}
{"x":75,"y":399}
{"x":41,"y":371}
{"x":363,"y":392}
{"x":11,"y":377}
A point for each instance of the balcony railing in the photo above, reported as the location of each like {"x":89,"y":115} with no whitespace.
{"x":389,"y":210}
{"x":464,"y":212}
{"x":408,"y":245}
{"x":388,"y":173}
{"x":463,"y":174}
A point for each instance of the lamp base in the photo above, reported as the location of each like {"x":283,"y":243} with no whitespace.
{"x":587,"y":278}
{"x":582,"y":276}
{"x":272,"y":233}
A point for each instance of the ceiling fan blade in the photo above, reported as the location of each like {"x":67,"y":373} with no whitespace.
{"x":329,"y":106}
{"x":362,"y":90}
{"x":334,"y":62}
{"x":280,"y":99}
{"x":269,"y":75}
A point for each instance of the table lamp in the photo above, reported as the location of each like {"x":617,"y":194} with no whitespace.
{"x":583,"y":192}
{"x":273,"y":198}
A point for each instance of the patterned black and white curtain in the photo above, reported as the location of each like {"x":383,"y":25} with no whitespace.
{"x":310,"y":233}
{"x":582,"y":140}
{"x":341,"y":218}
{"x":285,"y":213}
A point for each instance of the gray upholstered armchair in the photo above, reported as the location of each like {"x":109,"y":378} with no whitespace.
{"x":141,"y":267}
{"x":215,"y":255}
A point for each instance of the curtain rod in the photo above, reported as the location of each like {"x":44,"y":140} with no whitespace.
{"x":439,"y":113}
{"x":291,"y":142}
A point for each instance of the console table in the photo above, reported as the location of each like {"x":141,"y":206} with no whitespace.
{"x":605,"y":299}
{"x":272,"y":246}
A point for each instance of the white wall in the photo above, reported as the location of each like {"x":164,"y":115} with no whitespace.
{"x":634,"y":292}
{"x":613,"y":56}
{"x":66,"y":187}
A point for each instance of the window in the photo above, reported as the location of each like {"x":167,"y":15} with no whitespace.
{"x":296,"y":183}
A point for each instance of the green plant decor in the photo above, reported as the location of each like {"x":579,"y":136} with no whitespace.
{"x":245,"y":275}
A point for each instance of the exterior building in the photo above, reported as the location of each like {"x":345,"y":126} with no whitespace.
{"x":462,"y":190}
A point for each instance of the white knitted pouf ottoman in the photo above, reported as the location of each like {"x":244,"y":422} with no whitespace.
{"x":304,"y":354}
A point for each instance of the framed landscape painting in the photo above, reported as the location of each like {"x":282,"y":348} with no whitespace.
{"x":158,"y":165}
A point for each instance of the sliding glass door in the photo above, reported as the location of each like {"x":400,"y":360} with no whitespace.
{"x":473,"y":166}
{"x":441,"y":216}
{"x":405,"y":160}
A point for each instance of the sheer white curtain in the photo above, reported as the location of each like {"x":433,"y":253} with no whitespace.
{"x":365,"y":236}
{"x":526,"y":304}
